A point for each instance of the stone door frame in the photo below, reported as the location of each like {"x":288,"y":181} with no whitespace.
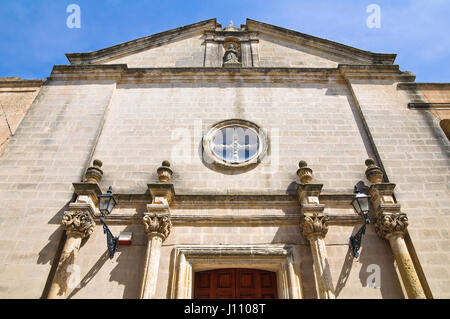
{"x":188,"y":259}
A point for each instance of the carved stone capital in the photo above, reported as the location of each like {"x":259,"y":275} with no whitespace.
{"x":157,"y":225}
{"x":388,"y":224}
{"x":314,"y":226}
{"x":78,"y":222}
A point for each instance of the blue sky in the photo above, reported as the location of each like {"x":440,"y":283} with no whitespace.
{"x":34,"y":35}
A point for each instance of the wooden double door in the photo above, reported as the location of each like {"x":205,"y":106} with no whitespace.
{"x":235,"y":284}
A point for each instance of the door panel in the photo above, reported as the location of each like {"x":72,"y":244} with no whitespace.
{"x":223,"y":287}
{"x":235,"y":284}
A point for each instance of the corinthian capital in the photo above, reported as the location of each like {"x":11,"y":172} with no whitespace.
{"x":78,"y":222}
{"x":388,"y":224}
{"x":157,"y":225}
{"x":315,"y":225}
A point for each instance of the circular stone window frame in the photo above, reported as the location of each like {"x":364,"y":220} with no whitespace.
{"x":211,"y":157}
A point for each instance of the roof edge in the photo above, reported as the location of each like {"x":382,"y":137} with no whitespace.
{"x":376,"y":58}
{"x":20,"y":83}
{"x":80,"y":58}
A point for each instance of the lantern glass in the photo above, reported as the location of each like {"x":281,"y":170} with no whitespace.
{"x":111,"y":205}
{"x":356,"y":207}
{"x":361,"y":204}
{"x":106,"y":202}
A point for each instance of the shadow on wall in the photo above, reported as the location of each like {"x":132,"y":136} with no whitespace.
{"x":375,"y":255}
{"x":51,"y":252}
{"x":345,"y":273}
{"x":130,"y":266}
{"x":303,"y":260}
{"x":127,"y":272}
{"x":307,"y":277}
{"x":91,"y":274}
{"x":445,"y":126}
{"x":438,"y":132}
{"x":47,"y":254}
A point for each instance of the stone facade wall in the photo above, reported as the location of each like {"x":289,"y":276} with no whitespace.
{"x":121,"y":276}
{"x":434,"y":92}
{"x":275,"y":52}
{"x":149,"y":123}
{"x":437,"y":93}
{"x":104,"y":278}
{"x":65,"y":119}
{"x":414,"y":151}
{"x":184,"y":52}
{"x":134,"y":122}
{"x":49,"y":151}
{"x":16,"y":96}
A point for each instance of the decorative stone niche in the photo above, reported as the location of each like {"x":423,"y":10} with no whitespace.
{"x":232,"y":57}
{"x":231,"y":47}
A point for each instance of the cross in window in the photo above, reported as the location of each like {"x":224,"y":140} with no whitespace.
{"x":235,"y":147}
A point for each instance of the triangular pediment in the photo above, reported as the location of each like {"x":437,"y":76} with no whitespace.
{"x":204,"y":44}
{"x":290,"y":48}
{"x":152,"y":49}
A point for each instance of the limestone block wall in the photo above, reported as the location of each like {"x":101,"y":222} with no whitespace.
{"x":152,"y":122}
{"x":184,"y":52}
{"x":434,"y":92}
{"x":275,"y":52}
{"x":104,"y":278}
{"x":133,"y":127}
{"x":16,"y":96}
{"x":355,"y":278}
{"x":48,"y":152}
{"x":438,"y":93}
{"x":414,"y":151}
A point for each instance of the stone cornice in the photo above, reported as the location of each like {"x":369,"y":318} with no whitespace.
{"x":428,"y":106}
{"x":122,"y":74}
{"x":375,"y":71}
{"x":19,"y":83}
{"x":273,"y":219}
{"x":198,"y":200}
{"x":422,"y":86}
{"x":88,"y":72}
{"x":323,"y":44}
{"x":138,"y":44}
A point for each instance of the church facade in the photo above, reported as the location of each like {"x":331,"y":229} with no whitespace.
{"x":231,"y":155}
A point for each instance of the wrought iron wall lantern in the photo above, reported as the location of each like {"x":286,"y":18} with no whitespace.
{"x":106,"y":204}
{"x":361,"y":204}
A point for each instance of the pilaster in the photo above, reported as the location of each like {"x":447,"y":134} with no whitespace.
{"x":314,"y":227}
{"x":79,"y":224}
{"x":157,"y":226}
{"x":391,"y":224}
